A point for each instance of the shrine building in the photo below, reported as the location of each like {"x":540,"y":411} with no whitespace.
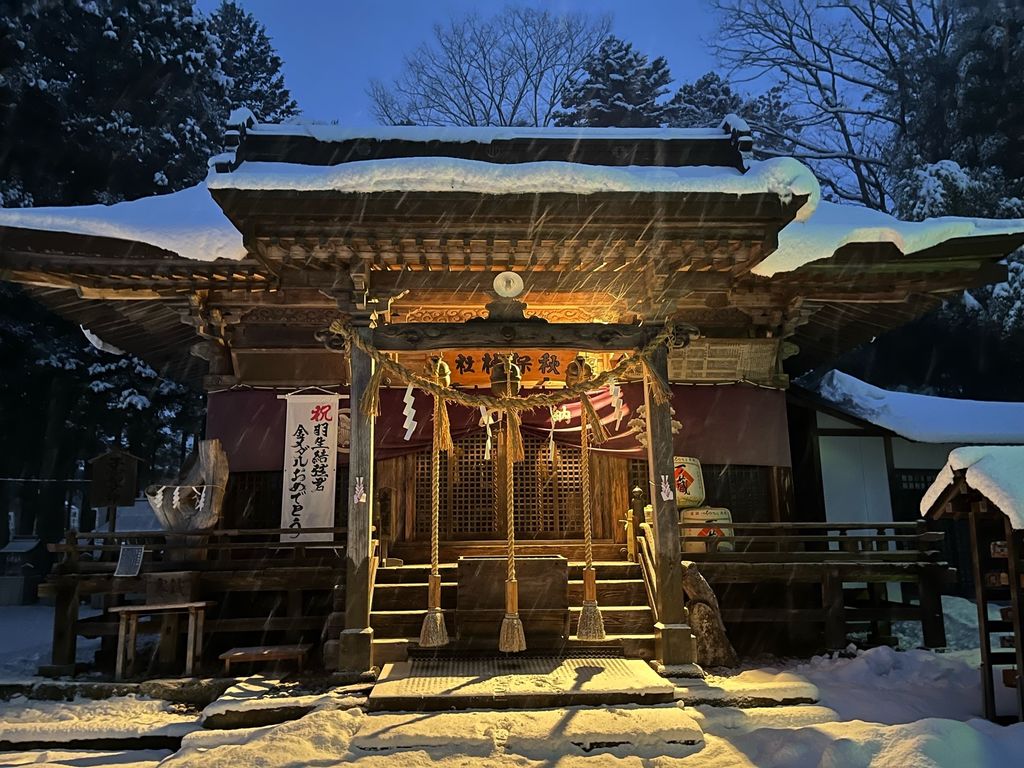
{"x":351,"y":299}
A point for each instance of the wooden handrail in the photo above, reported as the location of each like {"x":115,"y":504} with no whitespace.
{"x":931,"y":536}
{"x":229,"y":532}
{"x":789,"y":526}
{"x":213,"y":545}
{"x":647,"y":571}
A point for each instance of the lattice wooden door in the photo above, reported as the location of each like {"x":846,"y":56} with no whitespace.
{"x":547,"y":501}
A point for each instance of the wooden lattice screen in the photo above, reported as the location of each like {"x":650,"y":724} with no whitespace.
{"x":547,"y":500}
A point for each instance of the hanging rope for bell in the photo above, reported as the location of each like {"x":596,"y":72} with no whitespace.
{"x":506,"y":379}
{"x":433,"y":633}
{"x":511,"y":638}
{"x":591,"y":624}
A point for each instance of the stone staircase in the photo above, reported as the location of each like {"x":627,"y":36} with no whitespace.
{"x":400,"y":599}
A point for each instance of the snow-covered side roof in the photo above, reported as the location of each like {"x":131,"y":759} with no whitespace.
{"x":465,"y":135}
{"x":925,"y":418}
{"x":783,"y":176}
{"x":995,"y":471}
{"x":188,"y":223}
{"x":831,"y":226}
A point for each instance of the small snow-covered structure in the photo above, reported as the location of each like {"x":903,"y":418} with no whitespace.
{"x":983,"y":485}
{"x":866,"y":453}
{"x":992,"y":472}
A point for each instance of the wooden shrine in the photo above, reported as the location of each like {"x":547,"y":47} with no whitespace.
{"x":366,"y":254}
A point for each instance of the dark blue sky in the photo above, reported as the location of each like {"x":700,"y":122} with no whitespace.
{"x":332,"y":48}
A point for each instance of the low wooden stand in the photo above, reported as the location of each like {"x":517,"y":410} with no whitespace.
{"x":543,"y":582}
{"x":266,"y":653}
{"x":128,"y":629}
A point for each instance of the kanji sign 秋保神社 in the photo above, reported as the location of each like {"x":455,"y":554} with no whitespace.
{"x":310,"y":466}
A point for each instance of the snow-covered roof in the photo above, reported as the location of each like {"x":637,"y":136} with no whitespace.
{"x":830,"y":226}
{"x":478,"y":135}
{"x":925,"y":418}
{"x":188,"y":223}
{"x":783,"y":176}
{"x":995,"y":471}
{"x":192,"y":225}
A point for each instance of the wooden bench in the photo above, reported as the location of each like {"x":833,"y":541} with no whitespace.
{"x":266,"y":653}
{"x":128,"y":626}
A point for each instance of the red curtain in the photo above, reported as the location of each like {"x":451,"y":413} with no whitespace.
{"x":723,"y":424}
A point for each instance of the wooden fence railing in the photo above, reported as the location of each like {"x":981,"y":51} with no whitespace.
{"x":228,"y":549}
{"x":825,"y":554}
{"x":811,"y":542}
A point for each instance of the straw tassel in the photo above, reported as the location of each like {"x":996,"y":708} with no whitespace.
{"x":511,"y":638}
{"x":442,"y":426}
{"x":591,"y":419}
{"x":433,"y":632}
{"x":591,"y":625}
{"x":659,"y":388}
{"x":370,"y":402}
{"x":514,"y":437}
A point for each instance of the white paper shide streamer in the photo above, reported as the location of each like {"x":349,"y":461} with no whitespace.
{"x":409,"y":411}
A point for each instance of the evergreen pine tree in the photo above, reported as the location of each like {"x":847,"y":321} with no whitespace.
{"x":251,"y":64}
{"x":705,"y":102}
{"x":620,"y":87}
{"x":106,"y":100}
{"x":959,"y":153}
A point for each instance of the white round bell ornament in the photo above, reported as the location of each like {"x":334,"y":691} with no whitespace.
{"x":508,"y":285}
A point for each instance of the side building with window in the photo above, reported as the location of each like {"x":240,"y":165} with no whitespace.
{"x":866,"y":454}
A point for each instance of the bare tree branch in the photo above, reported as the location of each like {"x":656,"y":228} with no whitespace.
{"x":841,"y":66}
{"x":510,"y":69}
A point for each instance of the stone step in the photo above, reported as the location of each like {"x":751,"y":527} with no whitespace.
{"x":634,"y":646}
{"x":387,"y":650}
{"x":662,"y":732}
{"x":424,"y":685}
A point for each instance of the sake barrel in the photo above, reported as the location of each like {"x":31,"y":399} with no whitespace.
{"x":689,"y":481}
{"x":706,"y":522}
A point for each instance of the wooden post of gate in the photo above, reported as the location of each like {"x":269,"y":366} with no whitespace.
{"x":356,"y":646}
{"x":674,"y":642}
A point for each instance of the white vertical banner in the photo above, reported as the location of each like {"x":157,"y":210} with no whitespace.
{"x":310,"y":465}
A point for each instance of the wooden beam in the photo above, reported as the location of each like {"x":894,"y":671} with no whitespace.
{"x":468,"y":281}
{"x":405,"y":337}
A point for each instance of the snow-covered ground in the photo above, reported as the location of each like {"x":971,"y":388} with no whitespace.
{"x":26,"y":639}
{"x":870,"y":709}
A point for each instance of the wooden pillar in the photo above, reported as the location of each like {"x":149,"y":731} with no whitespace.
{"x":674,"y":642}
{"x":65,"y":625}
{"x":356,"y":645}
{"x":1014,"y":544}
{"x":977,"y":552}
{"x":832,"y":602}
